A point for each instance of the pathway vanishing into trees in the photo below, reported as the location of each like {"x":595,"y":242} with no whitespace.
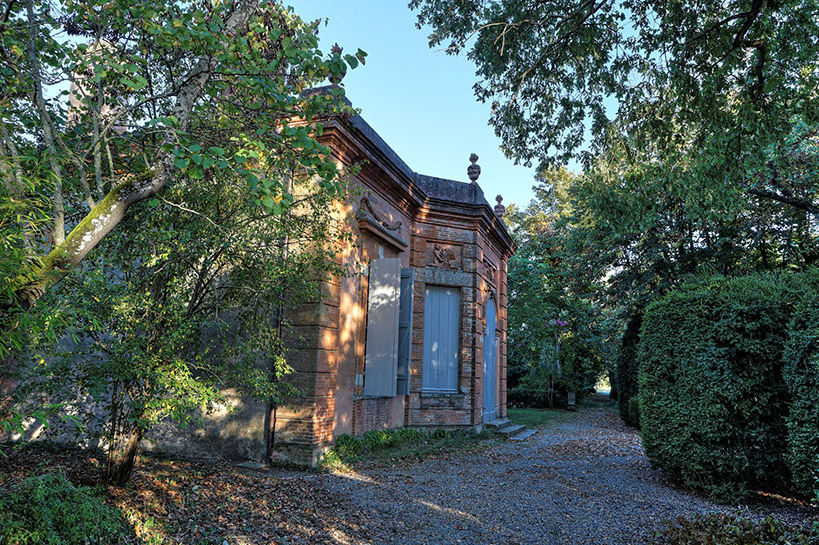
{"x":582,"y":480}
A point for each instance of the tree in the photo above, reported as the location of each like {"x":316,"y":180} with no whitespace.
{"x":556,"y":330}
{"x":181,"y":305}
{"x":736,"y":73}
{"x":150,"y":71}
{"x":695,"y":125}
{"x":157,"y":88}
{"x":641,"y":228}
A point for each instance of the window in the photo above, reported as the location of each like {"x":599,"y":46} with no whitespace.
{"x":389,"y":329}
{"x":441,"y":309}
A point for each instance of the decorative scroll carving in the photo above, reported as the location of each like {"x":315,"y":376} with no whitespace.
{"x":366,"y":205}
{"x":371,"y":222}
{"x":445,"y":258}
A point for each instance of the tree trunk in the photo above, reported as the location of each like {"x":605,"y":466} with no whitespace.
{"x":121,"y":457}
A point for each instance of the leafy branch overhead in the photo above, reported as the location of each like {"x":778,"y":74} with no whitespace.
{"x":157,"y":90}
{"x":557,"y":71}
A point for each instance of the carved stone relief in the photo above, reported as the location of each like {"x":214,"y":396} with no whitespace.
{"x":445,"y":256}
{"x":377,"y":225}
{"x":366,"y":207}
{"x":491,"y":272}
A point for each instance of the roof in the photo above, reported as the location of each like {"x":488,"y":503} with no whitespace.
{"x":440,"y":189}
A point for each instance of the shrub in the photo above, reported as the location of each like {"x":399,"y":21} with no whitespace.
{"x":537,"y":397}
{"x":374,"y":440}
{"x":712,"y":397}
{"x":801,"y":374}
{"x":721,"y":529}
{"x":349,"y":447}
{"x":49,"y":510}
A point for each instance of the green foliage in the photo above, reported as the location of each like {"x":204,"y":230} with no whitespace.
{"x":207,"y":104}
{"x":712,"y":397}
{"x":703,"y":157}
{"x":397,"y":443}
{"x":706,"y":73}
{"x":185,"y":303}
{"x":801,"y":374}
{"x":537,"y":392}
{"x":557,"y":334}
{"x":349,"y":447}
{"x":627,"y":368}
{"x":722,"y":529}
{"x":532,"y":418}
{"x":49,"y":510}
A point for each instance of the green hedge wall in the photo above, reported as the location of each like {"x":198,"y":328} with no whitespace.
{"x":801,"y":374}
{"x":714,"y":403}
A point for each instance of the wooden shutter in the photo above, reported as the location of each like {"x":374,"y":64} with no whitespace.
{"x":405,"y":331}
{"x":490,"y":364}
{"x":441,"y":310}
{"x":381,"y":354}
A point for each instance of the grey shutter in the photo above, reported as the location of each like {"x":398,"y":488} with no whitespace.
{"x":381,"y":354}
{"x":441,"y":309}
{"x":405,"y":331}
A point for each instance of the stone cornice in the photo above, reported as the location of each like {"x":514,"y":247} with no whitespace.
{"x":354,"y":140}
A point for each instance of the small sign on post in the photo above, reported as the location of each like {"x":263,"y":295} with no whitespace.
{"x":571,"y":399}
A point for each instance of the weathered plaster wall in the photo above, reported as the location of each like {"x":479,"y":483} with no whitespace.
{"x":233,"y":431}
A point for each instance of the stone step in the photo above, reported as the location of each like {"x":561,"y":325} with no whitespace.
{"x":523,"y":435}
{"x":252,"y":465}
{"x":511,"y":430}
{"x":498,"y":423}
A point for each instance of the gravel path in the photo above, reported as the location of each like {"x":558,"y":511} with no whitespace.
{"x":582,"y":480}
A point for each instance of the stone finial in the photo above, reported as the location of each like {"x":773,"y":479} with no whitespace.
{"x":473,"y":170}
{"x":499,"y":208}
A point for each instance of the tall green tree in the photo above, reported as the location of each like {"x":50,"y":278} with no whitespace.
{"x":142,"y":75}
{"x":695,"y":124}
{"x":156,"y":90}
{"x":557,"y":331}
{"x":179,"y":306}
{"x":735,"y":73}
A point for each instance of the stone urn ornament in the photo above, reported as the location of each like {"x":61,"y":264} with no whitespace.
{"x":473,"y":170}
{"x":499,"y":208}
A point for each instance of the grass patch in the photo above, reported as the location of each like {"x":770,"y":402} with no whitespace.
{"x":532,"y":418}
{"x":47,"y":509}
{"x":400,"y":444}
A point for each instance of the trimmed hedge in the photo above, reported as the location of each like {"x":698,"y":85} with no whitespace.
{"x":801,"y":374}
{"x":713,"y":397}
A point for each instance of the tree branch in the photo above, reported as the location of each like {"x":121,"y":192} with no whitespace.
{"x":111,"y":210}
{"x":798,"y":202}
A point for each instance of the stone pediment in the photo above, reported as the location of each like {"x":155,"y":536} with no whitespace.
{"x":371,"y":222}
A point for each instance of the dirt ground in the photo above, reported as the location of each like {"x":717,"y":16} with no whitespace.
{"x":584,"y":479}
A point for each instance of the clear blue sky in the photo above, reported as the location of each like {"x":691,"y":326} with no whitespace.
{"x":419,"y":100}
